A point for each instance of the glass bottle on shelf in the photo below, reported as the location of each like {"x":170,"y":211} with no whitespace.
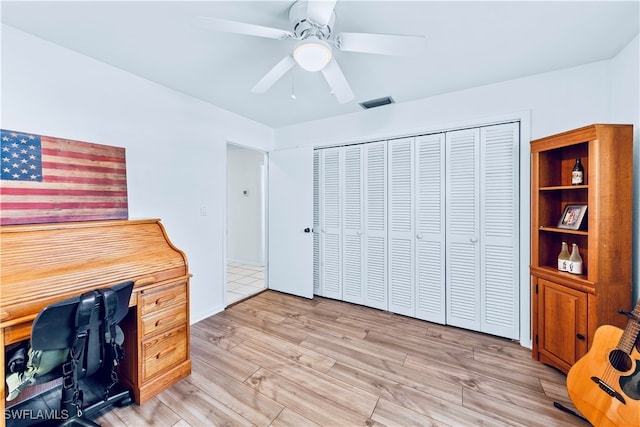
{"x":577,"y":174}
{"x":563,"y":258}
{"x":575,"y":260}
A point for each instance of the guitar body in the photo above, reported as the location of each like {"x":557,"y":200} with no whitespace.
{"x":605,"y":394}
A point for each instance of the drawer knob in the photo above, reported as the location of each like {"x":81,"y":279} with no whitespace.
{"x":580,"y":337}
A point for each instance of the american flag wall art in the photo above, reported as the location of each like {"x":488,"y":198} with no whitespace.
{"x":46,"y":179}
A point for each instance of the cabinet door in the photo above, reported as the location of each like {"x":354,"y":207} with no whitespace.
{"x":401,"y":235}
{"x":463,"y":229}
{"x":330,"y":224}
{"x":375,"y":233}
{"x":562,"y":324}
{"x":352,"y":225}
{"x":499,"y":243}
{"x":430,"y":230}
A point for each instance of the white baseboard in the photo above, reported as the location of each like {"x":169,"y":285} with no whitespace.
{"x":196,"y":317}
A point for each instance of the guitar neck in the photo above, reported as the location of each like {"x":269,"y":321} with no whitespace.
{"x":630,"y":335}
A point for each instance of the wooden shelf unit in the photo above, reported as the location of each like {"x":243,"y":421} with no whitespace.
{"x":568,"y":308}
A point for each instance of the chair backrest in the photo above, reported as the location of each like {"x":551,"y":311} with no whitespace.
{"x":56,"y":326}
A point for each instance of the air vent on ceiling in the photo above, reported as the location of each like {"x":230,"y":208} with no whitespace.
{"x":377,"y":102}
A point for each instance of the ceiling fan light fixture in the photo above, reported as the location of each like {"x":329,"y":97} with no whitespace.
{"x":312,"y":54}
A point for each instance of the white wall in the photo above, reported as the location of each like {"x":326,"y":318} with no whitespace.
{"x":244,"y":211}
{"x":175,"y":144}
{"x":625,"y":108}
{"x":558,"y":101}
{"x":602,"y":92}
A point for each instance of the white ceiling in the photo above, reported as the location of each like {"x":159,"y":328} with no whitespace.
{"x":469,"y":44}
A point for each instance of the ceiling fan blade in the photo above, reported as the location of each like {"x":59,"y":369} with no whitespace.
{"x":337,"y":82}
{"x":319,"y":11}
{"x":274,"y":74}
{"x":226,"y":26}
{"x":383,"y":44}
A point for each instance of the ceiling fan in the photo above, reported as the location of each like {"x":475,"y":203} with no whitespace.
{"x":312,"y":25}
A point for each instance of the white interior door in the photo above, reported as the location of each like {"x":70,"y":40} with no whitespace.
{"x":463,"y":229}
{"x":430,"y":227}
{"x":290,"y":218}
{"x":352,"y":226}
{"x":375,"y":233}
{"x":499,"y":230}
{"x":331,"y":223}
{"x":401,"y":247}
{"x":317,"y":259}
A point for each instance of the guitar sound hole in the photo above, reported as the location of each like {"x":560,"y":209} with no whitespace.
{"x":620,"y":360}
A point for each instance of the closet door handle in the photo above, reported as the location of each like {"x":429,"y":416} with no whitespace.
{"x":473,"y":240}
{"x":359,"y":232}
{"x":419,"y":236}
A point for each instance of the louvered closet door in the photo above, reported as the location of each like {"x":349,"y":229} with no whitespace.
{"x":330,"y":224}
{"x":375,"y":225}
{"x":463,"y":229}
{"x":430,"y":227}
{"x":499,"y":241}
{"x":401,"y":236}
{"x":352,"y":230}
{"x":316,"y":224}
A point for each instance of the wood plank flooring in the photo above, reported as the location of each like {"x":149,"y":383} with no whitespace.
{"x":279,"y":360}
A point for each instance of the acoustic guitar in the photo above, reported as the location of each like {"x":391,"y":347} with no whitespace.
{"x":605,"y":383}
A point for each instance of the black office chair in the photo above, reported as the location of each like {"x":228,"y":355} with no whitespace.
{"x":88,"y":327}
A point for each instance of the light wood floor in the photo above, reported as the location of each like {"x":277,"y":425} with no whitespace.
{"x":278,"y":360}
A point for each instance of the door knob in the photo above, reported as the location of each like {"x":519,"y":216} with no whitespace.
{"x":307,"y":230}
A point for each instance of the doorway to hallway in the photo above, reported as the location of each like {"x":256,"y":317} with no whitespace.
{"x":245,"y":223}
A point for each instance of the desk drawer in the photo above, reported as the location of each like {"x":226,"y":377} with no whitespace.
{"x":159,"y":299}
{"x":164,"y":351}
{"x":164,"y":319}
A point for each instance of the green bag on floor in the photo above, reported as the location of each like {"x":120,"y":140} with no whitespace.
{"x":40,"y":364}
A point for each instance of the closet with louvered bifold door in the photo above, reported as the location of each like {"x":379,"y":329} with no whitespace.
{"x":482,"y":245}
{"x":416,"y":227}
{"x":330,"y":247}
{"x":423,"y":226}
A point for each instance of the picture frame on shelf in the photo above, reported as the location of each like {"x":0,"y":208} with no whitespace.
{"x":572,"y":217}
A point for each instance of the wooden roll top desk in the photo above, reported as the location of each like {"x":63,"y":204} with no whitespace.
{"x":44,"y":263}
